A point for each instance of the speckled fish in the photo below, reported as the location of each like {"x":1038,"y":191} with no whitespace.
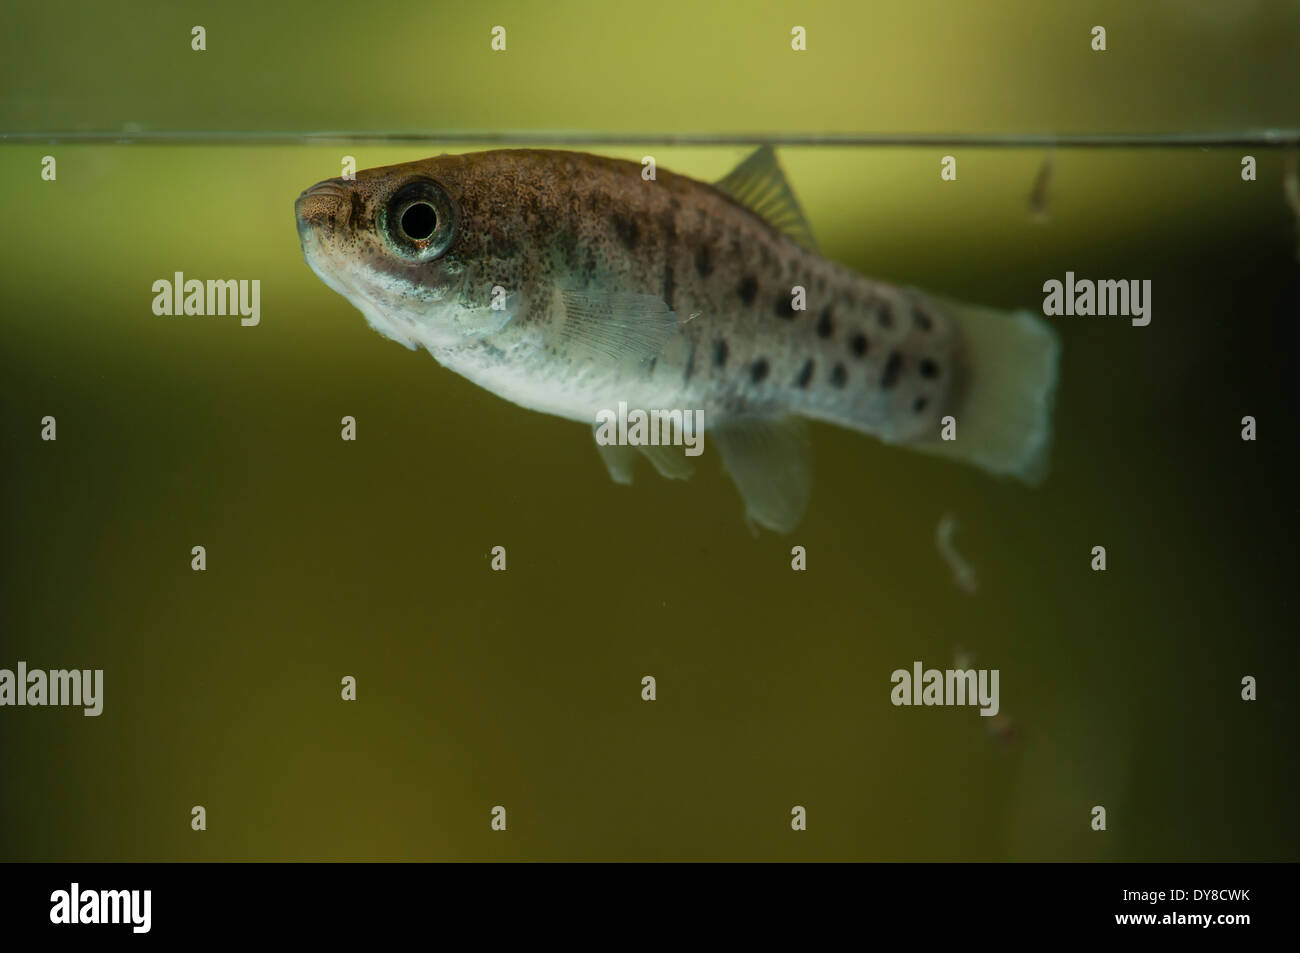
{"x":568,"y":283}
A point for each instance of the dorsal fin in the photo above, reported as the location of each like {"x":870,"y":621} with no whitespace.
{"x":759,"y":184}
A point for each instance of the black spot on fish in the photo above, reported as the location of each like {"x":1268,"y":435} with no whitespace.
{"x":805,"y":375}
{"x":355,"y":213}
{"x":629,"y":232}
{"x":748,"y":289}
{"x":825,"y":324}
{"x":784,"y":307}
{"x":858,"y":345}
{"x":720,"y":354}
{"x":669,"y":286}
{"x":839,"y":375}
{"x":921,"y":318}
{"x":919,"y":405}
{"x":690,"y":364}
{"x":884,"y":315}
{"x":929,"y":369}
{"x":653,"y":361}
{"x":893,"y":367}
{"x":758,"y":371}
{"x":589,"y":266}
{"x":704,"y":261}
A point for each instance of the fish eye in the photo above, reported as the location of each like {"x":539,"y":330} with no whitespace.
{"x":419,"y":220}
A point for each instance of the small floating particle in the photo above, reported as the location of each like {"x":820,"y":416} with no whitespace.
{"x":1041,"y":193}
{"x":962,"y":573}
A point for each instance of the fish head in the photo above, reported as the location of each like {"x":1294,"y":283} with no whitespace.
{"x":391,"y":241}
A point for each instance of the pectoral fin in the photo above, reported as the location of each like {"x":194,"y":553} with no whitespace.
{"x":771,"y":464}
{"x":619,"y":327}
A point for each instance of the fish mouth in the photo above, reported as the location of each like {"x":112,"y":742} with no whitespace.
{"x":318,"y":207}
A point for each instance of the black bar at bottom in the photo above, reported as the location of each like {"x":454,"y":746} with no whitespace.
{"x":936,"y":901}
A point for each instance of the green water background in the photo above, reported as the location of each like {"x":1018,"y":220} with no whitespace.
{"x":522,"y":689}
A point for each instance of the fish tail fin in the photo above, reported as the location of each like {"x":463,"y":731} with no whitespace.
{"x":1005,"y":392}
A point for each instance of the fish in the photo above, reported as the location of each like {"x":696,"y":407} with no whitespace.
{"x":570,"y":283}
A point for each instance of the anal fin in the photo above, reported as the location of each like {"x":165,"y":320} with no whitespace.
{"x":770,"y":461}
